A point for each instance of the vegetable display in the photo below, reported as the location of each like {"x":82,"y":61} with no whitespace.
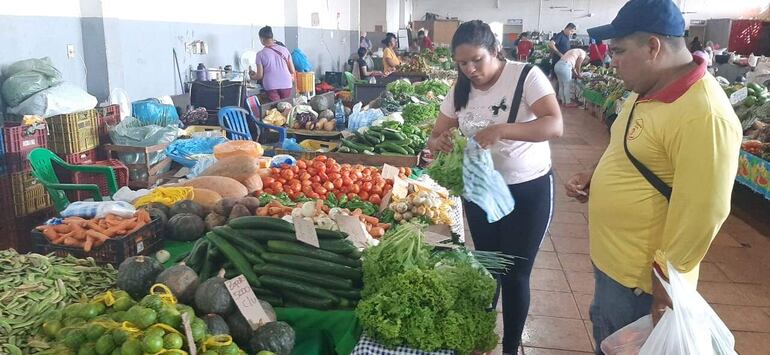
{"x":426,"y":300}
{"x":420,"y":113}
{"x":90,"y":233}
{"x":390,"y":138}
{"x":401,"y":89}
{"x":420,"y":206}
{"x":436,"y":87}
{"x":447,"y":168}
{"x":35,"y":285}
{"x":316,"y":178}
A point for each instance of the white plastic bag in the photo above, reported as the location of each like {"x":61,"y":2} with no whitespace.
{"x":120,"y":97}
{"x":629,"y":339}
{"x":483,"y":185}
{"x":691,"y":328}
{"x":57,"y":100}
{"x":99,"y":209}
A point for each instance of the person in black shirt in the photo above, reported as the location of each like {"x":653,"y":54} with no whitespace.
{"x":363,"y":69}
{"x":559,"y":44}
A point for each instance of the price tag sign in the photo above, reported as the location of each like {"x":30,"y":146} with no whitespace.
{"x":389,"y":172}
{"x":385,"y":201}
{"x":246,"y":301}
{"x":188,"y":334}
{"x":305,"y":230}
{"x":400,"y":188}
{"x":739,"y":96}
{"x":354,"y":228}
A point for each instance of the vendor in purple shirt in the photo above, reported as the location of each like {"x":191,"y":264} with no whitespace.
{"x":274,"y":67}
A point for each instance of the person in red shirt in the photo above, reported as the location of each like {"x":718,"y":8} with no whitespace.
{"x":524,"y":48}
{"x":597,"y":51}
{"x":424,"y":41}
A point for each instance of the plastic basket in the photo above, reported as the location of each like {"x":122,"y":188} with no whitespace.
{"x":145,"y":241}
{"x":107,"y":116}
{"x":80,"y":158}
{"x":7,"y":211}
{"x":121,"y":176}
{"x":74,"y":132}
{"x":305,"y":82}
{"x":316,"y":145}
{"x":16,"y":163}
{"x":22,"y":139}
{"x":29,"y":196}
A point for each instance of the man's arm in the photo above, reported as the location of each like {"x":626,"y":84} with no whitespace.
{"x":554,"y":50}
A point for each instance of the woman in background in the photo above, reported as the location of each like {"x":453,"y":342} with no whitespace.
{"x":597,"y":51}
{"x":363,"y":67}
{"x":274,"y":67}
{"x":389,"y":58}
{"x":568,"y":68}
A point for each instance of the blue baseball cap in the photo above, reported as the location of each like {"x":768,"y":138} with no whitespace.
{"x":660,"y":17}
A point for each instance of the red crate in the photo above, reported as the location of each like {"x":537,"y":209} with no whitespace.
{"x":17,"y":163}
{"x":107,"y":116}
{"x":7,"y":212}
{"x":87,"y":157}
{"x":121,"y":175}
{"x":21,"y":139}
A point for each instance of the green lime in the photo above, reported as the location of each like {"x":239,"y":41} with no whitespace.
{"x":152,"y":301}
{"x":72,"y":310}
{"x":210,"y":352}
{"x":91,"y":311}
{"x":152,"y":344}
{"x":105,"y":345}
{"x":185,"y":309}
{"x":116,"y":351}
{"x":118,"y":316}
{"x":119,"y":336}
{"x":75,"y":338}
{"x":54,"y":315}
{"x":170,"y":316}
{"x":750,"y":101}
{"x":198,"y":330}
{"x":172,"y":341}
{"x":95,"y":331}
{"x":145,"y":318}
{"x":87,"y":349}
{"x":51,"y":328}
{"x":131,"y":347}
{"x":231,"y":349}
{"x":154,"y":332}
{"x":123,"y":303}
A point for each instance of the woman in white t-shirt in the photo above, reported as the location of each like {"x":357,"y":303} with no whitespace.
{"x":482,"y":104}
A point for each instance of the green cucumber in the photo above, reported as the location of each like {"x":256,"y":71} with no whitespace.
{"x":325,"y":281}
{"x":330,"y":234}
{"x":279,"y":246}
{"x":339,"y":246}
{"x":354,"y":146}
{"x":197,"y":254}
{"x":252,"y":258}
{"x":371,"y":138}
{"x":347,"y":294}
{"x":274,"y":300}
{"x":231,"y":273}
{"x":239,"y":240}
{"x":263,"y":291}
{"x":376,"y":129}
{"x":313,"y":265}
{"x":387,"y":153}
{"x":309,"y":302}
{"x":402,"y":143}
{"x":261,"y":223}
{"x":409,"y":150}
{"x":267,"y":235}
{"x":355,"y":254}
{"x":239,"y":261}
{"x":392,"y":134}
{"x":393,"y":148}
{"x":287,"y":286}
{"x":343,"y":149}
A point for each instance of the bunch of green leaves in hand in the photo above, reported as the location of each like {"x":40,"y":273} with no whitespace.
{"x":447,"y":168}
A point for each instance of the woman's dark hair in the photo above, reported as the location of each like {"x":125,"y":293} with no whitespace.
{"x":266,"y":32}
{"x":362,"y":52}
{"x":476,"y":33}
{"x":388,"y":37}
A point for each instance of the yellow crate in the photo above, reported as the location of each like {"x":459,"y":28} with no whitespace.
{"x":73,"y":132}
{"x":314,"y":145}
{"x":29,"y":196}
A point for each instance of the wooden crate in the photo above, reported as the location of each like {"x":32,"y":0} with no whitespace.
{"x":152,"y":175}
{"x":363,"y":159}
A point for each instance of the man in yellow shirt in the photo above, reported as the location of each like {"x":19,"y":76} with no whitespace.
{"x":662,"y":189}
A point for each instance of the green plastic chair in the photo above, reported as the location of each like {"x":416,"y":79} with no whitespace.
{"x":42,"y":161}
{"x":352,"y":82}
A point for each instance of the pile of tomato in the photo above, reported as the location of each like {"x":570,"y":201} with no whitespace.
{"x":316,"y":178}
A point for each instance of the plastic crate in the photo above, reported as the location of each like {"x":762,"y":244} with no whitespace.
{"x":22,"y":139}
{"x":7,"y":212}
{"x":73,"y":132}
{"x":17,"y":163}
{"x":121,"y":175}
{"x":145,"y":241}
{"x":86,"y":157}
{"x":107,"y":116}
{"x":29,"y":196}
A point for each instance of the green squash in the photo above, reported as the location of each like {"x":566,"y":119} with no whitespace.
{"x":276,"y":337}
{"x":137,"y":274}
{"x":216,"y":324}
{"x":185,"y":227}
{"x":181,"y":280}
{"x":157,"y":213}
{"x":159,"y":206}
{"x":188,"y":206}
{"x":240,"y":329}
{"x":212,"y":296}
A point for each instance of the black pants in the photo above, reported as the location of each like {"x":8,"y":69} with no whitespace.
{"x":518,"y":234}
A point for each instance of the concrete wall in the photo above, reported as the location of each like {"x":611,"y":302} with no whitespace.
{"x":373,"y":14}
{"x":554,"y":15}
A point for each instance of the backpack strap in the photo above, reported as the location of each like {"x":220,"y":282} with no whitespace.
{"x":517,"y":95}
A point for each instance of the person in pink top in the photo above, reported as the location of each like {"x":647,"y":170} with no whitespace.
{"x":274,"y":67}
{"x":567,"y":68}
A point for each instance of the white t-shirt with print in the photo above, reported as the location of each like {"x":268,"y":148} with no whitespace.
{"x":517,"y":161}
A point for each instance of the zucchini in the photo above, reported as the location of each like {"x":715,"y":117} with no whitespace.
{"x":274,"y":300}
{"x":231,"y":273}
{"x":239,"y":261}
{"x":287,"y":286}
{"x":313,"y":265}
{"x":339,"y":246}
{"x":252,"y":258}
{"x":263,"y":292}
{"x":261,"y":223}
{"x":268,"y":235}
{"x":330,"y":234}
{"x":326,"y":281}
{"x":197,"y":254}
{"x":207,"y":264}
{"x":356,"y":254}
{"x":309,"y":302}
{"x":279,"y":246}
{"x":347,"y":294}
{"x":239,"y":240}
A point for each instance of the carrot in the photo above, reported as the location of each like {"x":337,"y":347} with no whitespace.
{"x":319,"y":205}
{"x":274,"y":210}
{"x":287,"y":210}
{"x":96,"y":235}
{"x":58,"y":240}
{"x":325,"y":208}
{"x":143,"y":216}
{"x":62,"y":228}
{"x":88,"y":244}
{"x":137,"y":227}
{"x":262,"y":211}
{"x":94,"y":225}
{"x":369,"y":219}
{"x":71,"y":242}
{"x":384,"y":226}
{"x":377,"y":232}
{"x":50,"y":233}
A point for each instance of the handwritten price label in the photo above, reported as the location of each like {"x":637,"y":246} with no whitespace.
{"x":247,"y":301}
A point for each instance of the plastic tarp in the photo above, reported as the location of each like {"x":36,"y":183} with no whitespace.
{"x":132,"y":132}
{"x":301,"y":62}
{"x":154,"y":112}
{"x":186,"y":151}
{"x":26,"y":78}
{"x":57,"y":100}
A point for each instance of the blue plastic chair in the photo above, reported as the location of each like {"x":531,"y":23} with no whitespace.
{"x":234,"y":120}
{"x":252,"y":102}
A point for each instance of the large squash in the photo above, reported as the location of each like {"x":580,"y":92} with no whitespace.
{"x":276,"y":337}
{"x":212,"y":296}
{"x":181,"y":280}
{"x":224,"y":186}
{"x":206,"y":198}
{"x":137,"y":274}
{"x":187,"y":206}
{"x":237,"y":167}
{"x":185,"y":227}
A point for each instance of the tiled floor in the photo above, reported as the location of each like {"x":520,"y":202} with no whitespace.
{"x":735,"y":276}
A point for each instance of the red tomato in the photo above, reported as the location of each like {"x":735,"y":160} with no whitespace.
{"x":321,"y":158}
{"x":339,"y":194}
{"x":315,"y":178}
{"x":306,"y":182}
{"x":351,"y":195}
{"x":333,"y":167}
{"x":345,"y":189}
{"x":345,"y":173}
{"x":367,"y":172}
{"x":355,"y":189}
{"x":366,"y":178}
{"x":276,"y":184}
{"x":345,"y":167}
{"x":313,"y":195}
{"x":375,"y":199}
{"x":320,"y":166}
{"x":268,"y":191}
{"x":281,"y":180}
{"x":296,"y":187}
{"x":275,"y":172}
{"x":358,"y":167}
{"x":312,"y":171}
{"x":334,"y":176}
{"x":287,"y":174}
{"x":307,"y":190}
{"x":323,"y":176}
{"x":367,"y":186}
{"x":357,"y":174}
{"x":380,"y":183}
{"x":292,"y":181}
{"x":267,"y":181}
{"x":364,"y":195}
{"x":337,"y":183}
{"x":304,"y":176}
{"x":278,"y":189}
{"x":301,"y":164}
{"x":321,"y":191}
{"x":329,"y":185}
{"x":376,"y":189}
{"x":346,"y":181}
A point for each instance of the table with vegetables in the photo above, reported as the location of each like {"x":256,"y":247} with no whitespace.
{"x":752,"y":105}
